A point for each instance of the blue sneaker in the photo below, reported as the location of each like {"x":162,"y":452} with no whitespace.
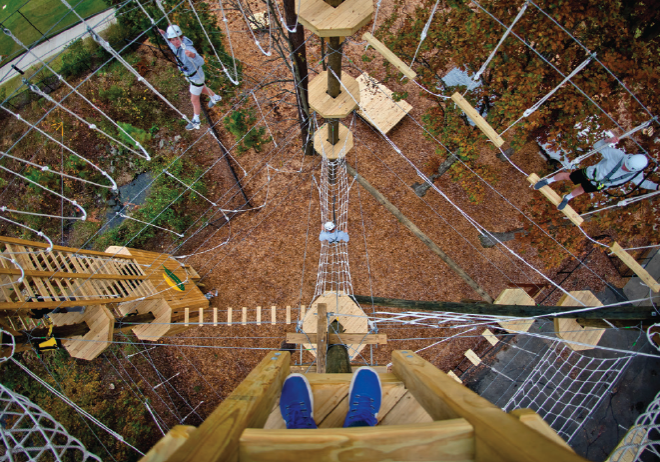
{"x":297,"y":402}
{"x":564,"y":202}
{"x":539,"y":184}
{"x":364,"y":397}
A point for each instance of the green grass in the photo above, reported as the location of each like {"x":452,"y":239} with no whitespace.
{"x":44,"y":14}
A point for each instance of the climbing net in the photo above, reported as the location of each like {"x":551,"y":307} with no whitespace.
{"x":643,"y":437}
{"x":30,"y":433}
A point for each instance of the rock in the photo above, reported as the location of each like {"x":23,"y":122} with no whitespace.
{"x":177,"y":138}
{"x":161,"y":144}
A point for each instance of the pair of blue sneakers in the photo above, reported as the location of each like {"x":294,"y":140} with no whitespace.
{"x":364,"y":398}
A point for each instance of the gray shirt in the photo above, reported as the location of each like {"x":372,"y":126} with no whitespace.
{"x":191,"y":67}
{"x":611,"y":158}
{"x":333,"y":236}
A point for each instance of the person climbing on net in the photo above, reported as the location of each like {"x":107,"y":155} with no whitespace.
{"x":364,"y":398}
{"x":615,"y":169}
{"x":190,"y":64}
{"x":330,"y":233}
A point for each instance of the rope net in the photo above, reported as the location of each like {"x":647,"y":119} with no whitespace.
{"x":334,"y":271}
{"x":643,"y":437}
{"x":30,"y":433}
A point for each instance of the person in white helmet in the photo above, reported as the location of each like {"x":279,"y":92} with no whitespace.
{"x":332,"y":235}
{"x":615,"y":169}
{"x":190,"y":63}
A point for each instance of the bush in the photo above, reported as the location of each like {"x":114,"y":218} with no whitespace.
{"x":241,"y":124}
{"x":111,"y":94}
{"x":76,"y":59}
{"x":139,"y":135}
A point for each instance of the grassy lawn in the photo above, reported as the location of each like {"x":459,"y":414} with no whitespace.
{"x":44,"y":14}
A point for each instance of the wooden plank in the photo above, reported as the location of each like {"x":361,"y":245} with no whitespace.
{"x":201,"y":317}
{"x":334,"y":339}
{"x":273,"y":315}
{"x":13,"y":240}
{"x":326,"y":21}
{"x":499,"y":437}
{"x":454,"y":376}
{"x":405,"y":412}
{"x":535,"y":421}
{"x":447,"y":440}
{"x":229,"y":316}
{"x":515,"y":297}
{"x":258,"y":316}
{"x":472,"y":356}
{"x":321,"y":336}
{"x":553,"y":197}
{"x":302,"y":312}
{"x":186,"y":317}
{"x":215,"y":316}
{"x":377,"y":107}
{"x":244,"y":316}
{"x":569,"y":329}
{"x":327,"y":106}
{"x":172,"y":441}
{"x":477,"y":119}
{"x":490,"y":337}
{"x":217,"y":438}
{"x":636,"y":436}
{"x":388,"y":55}
{"x":631,"y":263}
{"x":288,"y":314}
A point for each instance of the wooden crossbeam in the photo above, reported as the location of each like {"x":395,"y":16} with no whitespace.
{"x":388,"y":55}
{"x":631,"y":263}
{"x":322,"y":337}
{"x":553,"y":197}
{"x":477,"y":119}
{"x":336,"y":339}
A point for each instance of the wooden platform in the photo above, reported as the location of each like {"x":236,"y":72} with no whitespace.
{"x":569,"y":329}
{"x":159,"y":327}
{"x":515,"y":297}
{"x":327,"y":106}
{"x":323,"y":147}
{"x":347,"y":312}
{"x":325,"y":21}
{"x":101,"y":323}
{"x":377,"y":107}
{"x":330,"y":392}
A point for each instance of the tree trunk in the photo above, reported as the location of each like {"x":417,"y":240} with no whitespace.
{"x":422,"y":188}
{"x":420,"y":235}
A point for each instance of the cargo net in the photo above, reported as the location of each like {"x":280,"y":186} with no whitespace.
{"x":334,"y":273}
{"x":565,"y":387}
{"x":30,"y":433}
{"x":643,"y":438}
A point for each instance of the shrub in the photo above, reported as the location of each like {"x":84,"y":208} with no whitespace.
{"x":241,"y":124}
{"x":139,"y":135}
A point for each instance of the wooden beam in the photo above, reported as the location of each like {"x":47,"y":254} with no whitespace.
{"x":636,"y":313}
{"x":229,"y":316}
{"x":62,"y":274}
{"x":499,"y":437}
{"x":172,"y":441}
{"x":215,"y":316}
{"x":533,"y":420}
{"x":201,"y":317}
{"x":388,"y":55}
{"x":446,"y":440}
{"x":553,"y":197}
{"x":258,"y":316}
{"x":217,"y":438}
{"x":419,"y":234}
{"x":186,"y":317}
{"x":244,"y":316}
{"x":346,"y":339}
{"x":13,"y":240}
{"x":288,"y":314}
{"x":321,"y":336}
{"x":273,"y":315}
{"x":477,"y":119}
{"x":631,"y":263}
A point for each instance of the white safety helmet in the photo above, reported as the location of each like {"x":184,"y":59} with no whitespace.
{"x":173,"y":31}
{"x":636,"y":163}
{"x":329,"y":226}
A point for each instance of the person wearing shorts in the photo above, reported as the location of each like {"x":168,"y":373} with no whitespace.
{"x":615,"y":169}
{"x":190,"y":63}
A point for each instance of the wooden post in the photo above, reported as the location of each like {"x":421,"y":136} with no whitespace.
{"x":419,"y":234}
{"x":338,"y":359}
{"x":322,"y":337}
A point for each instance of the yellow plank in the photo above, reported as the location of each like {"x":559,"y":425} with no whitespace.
{"x":499,"y":436}
{"x":215,"y":316}
{"x":405,"y":412}
{"x":515,"y":297}
{"x":244,"y":316}
{"x":186,"y":317}
{"x":201,"y":317}
{"x":327,"y":106}
{"x":533,"y":420}
{"x":343,"y":21}
{"x":325,"y":149}
{"x":273,"y":315}
{"x":302,"y":312}
{"x":636,"y":436}
{"x":490,"y":337}
{"x":366,"y":339}
{"x":388,"y":55}
{"x":454,"y":376}
{"x":448,"y":440}
{"x":229,"y":316}
{"x":477,"y":119}
{"x":288,"y":314}
{"x":172,"y":441}
{"x":217,"y":438}
{"x":631,"y":263}
{"x":553,"y":197}
{"x":258,"y":316}
{"x":569,"y":329}
{"x":472,"y":356}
